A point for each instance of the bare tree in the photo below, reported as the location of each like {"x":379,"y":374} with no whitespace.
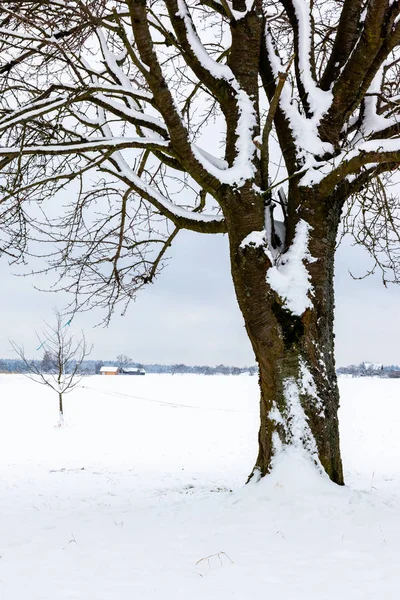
{"x":269,"y":121}
{"x":123,"y":361}
{"x":64,"y":357}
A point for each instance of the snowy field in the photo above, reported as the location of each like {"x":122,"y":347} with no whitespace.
{"x":140,"y":496}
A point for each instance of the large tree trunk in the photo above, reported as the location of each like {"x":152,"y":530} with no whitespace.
{"x":295,"y":353}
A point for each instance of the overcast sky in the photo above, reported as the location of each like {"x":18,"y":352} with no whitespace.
{"x":190,"y":315}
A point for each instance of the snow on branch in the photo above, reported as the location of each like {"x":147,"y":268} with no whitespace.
{"x":130,"y":114}
{"x":332,"y":172}
{"x":178,"y":215}
{"x":318,"y":100}
{"x":215,"y":73}
{"x":243,"y":167}
{"x":90,"y":145}
{"x":304,"y":129}
{"x":31,"y":111}
{"x":374,"y":119}
{"x":218,"y":71}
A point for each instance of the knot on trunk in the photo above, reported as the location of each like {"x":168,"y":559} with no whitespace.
{"x":253,"y":247}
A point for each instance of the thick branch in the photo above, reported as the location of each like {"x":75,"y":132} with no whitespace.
{"x":194,"y":53}
{"x":361,"y":68}
{"x":346,"y":36}
{"x":292,"y":8}
{"x":387,"y":153}
{"x":273,"y":107}
{"x":163,"y":98}
{"x":281,"y":123}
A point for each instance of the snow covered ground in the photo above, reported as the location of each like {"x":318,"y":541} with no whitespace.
{"x":141,"y":495}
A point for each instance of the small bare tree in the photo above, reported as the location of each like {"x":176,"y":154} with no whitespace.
{"x":64,"y":357}
{"x":123,"y":361}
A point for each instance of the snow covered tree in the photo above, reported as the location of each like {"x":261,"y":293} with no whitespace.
{"x":270,"y":121}
{"x":63,"y":357}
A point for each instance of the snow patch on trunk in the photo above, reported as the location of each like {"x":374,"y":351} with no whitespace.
{"x":309,"y":388}
{"x":290,"y":279}
{"x":255,"y":239}
{"x":298,"y":429}
{"x":295,"y":424}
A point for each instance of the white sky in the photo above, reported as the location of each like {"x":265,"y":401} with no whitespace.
{"x":190,"y":315}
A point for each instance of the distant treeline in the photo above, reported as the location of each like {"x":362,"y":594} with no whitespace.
{"x":92,"y":367}
{"x":367,"y":369}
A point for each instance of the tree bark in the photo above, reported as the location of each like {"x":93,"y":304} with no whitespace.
{"x":295,"y":354}
{"x":60,"y":408}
